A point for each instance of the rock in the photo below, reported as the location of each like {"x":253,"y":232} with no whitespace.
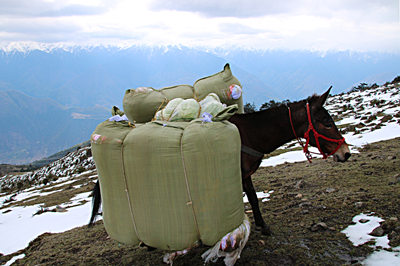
{"x":359,"y":204}
{"x":319,"y":226}
{"x":60,"y":209}
{"x":397,"y":178}
{"x":377,"y":232}
{"x":299,"y":196}
{"x":261,"y":242}
{"x":299,"y":184}
{"x":305,"y":204}
{"x":330,"y":190}
{"x":394,"y":219}
{"x":391,"y":157}
{"x":363,"y":221}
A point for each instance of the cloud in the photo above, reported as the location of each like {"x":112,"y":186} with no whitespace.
{"x":238,"y":28}
{"x":380,"y":10}
{"x":227,"y":8}
{"x":262,"y":24}
{"x":43,"y":8}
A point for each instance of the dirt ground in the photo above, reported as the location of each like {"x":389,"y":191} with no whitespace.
{"x":309,"y":207}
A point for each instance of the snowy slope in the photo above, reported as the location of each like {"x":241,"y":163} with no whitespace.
{"x":365,"y":117}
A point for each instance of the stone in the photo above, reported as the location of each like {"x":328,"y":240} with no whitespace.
{"x":299,"y":184}
{"x":377,"y":232}
{"x":60,"y":209}
{"x":359,"y":204}
{"x":363,"y":221}
{"x":330,"y":190}
{"x":305,"y":204}
{"x":261,"y":242}
{"x":319,"y":226}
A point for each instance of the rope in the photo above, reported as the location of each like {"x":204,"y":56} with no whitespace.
{"x":127,"y":192}
{"x":165,"y":100}
{"x":190,"y":202}
{"x":316,"y":136}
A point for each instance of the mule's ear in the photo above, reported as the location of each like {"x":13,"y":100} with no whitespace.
{"x":323,"y":97}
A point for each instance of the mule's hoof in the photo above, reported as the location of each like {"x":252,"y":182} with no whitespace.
{"x":264,"y":230}
{"x":147,"y":247}
{"x":150,"y":248}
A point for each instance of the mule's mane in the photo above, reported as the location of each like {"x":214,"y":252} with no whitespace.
{"x":280,"y":106}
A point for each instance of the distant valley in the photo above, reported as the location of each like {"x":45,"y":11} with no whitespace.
{"x":33,"y":128}
{"x":52,"y":100}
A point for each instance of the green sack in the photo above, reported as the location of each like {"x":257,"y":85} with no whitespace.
{"x":107,"y":148}
{"x":223,"y":84}
{"x":141,"y":104}
{"x":169,"y":184}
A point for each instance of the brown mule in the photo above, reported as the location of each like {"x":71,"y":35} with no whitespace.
{"x":264,"y":131}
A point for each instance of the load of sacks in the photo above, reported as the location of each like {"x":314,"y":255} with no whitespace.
{"x":169,"y":168}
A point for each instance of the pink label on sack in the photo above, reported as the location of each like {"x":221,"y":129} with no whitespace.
{"x":235,"y":91}
{"x":95,"y":137}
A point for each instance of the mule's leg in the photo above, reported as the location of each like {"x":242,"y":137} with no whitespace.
{"x":96,"y":202}
{"x":253,"y":200}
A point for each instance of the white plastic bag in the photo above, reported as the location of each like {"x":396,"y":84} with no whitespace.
{"x":187,"y":110}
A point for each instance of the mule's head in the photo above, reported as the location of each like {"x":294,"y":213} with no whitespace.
{"x":326,"y":129}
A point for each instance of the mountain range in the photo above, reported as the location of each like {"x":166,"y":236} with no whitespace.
{"x":53,"y":99}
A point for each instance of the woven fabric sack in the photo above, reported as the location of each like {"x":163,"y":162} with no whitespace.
{"x":169,"y":184}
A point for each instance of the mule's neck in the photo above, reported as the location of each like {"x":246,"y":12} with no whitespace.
{"x":266,"y":130}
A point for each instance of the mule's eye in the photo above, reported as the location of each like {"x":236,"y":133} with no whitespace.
{"x":327,"y":123}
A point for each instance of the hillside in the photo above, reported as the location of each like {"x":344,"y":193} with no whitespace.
{"x":33,"y":128}
{"x":52,"y":99}
{"x":310,"y":206}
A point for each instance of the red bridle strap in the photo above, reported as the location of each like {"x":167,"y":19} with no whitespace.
{"x":316,"y":136}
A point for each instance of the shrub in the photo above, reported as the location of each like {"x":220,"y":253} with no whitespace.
{"x":249,"y":108}
{"x":272,"y":104}
{"x":386,"y":118}
{"x":396,"y":80}
{"x":363,"y":86}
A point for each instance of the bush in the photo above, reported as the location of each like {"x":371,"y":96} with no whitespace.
{"x":364,"y":86}
{"x":272,"y":103}
{"x":249,"y":108}
{"x":396,"y":80}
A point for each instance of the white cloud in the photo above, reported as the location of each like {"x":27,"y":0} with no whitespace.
{"x":262,"y":24}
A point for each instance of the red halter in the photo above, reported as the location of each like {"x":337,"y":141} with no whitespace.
{"x":316,"y":136}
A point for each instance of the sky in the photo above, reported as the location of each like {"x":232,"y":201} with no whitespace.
{"x":330,"y":25}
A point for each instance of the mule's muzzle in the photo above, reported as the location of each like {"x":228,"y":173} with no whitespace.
{"x":343,"y":154}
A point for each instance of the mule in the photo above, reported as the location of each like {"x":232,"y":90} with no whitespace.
{"x":264,"y":131}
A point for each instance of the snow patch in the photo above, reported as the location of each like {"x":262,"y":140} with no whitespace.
{"x":264,"y":196}
{"x":358,"y":234}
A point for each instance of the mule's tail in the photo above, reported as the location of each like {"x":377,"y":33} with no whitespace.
{"x":96,"y":202}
